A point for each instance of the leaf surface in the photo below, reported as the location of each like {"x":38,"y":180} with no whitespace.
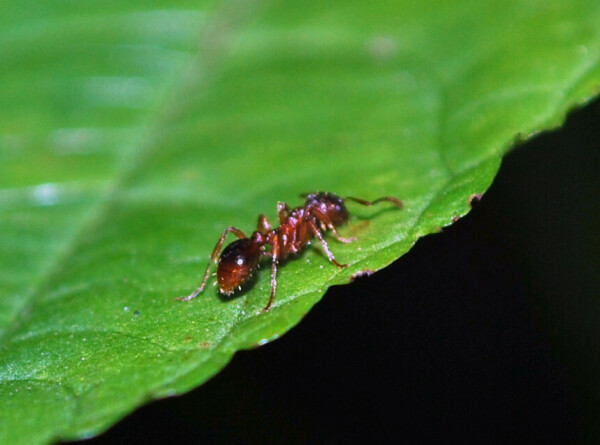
{"x":132,"y":134}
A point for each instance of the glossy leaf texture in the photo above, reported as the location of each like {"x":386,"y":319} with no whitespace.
{"x":132,"y":134}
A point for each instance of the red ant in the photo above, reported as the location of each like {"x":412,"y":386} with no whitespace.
{"x":239,"y":260}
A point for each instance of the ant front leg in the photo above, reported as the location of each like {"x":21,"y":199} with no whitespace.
{"x":326,"y":223}
{"x":318,"y":234}
{"x":337,"y":235}
{"x":213,"y":258}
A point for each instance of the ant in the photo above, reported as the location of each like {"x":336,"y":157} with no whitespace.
{"x":239,"y":260}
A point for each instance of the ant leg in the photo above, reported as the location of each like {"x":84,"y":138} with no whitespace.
{"x":263,"y":225}
{"x":326,"y":223}
{"x":213,"y":258}
{"x":337,"y":235}
{"x":275,"y":256}
{"x":318,"y":234}
{"x":283,"y":211}
{"x":364,"y":202}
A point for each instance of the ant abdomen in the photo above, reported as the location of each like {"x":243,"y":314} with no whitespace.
{"x":237,"y":263}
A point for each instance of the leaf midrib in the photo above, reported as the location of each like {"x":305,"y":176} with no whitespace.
{"x":131,"y":160}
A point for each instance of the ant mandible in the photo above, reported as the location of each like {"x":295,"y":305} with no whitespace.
{"x":239,"y":260}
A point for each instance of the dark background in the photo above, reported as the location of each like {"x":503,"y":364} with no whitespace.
{"x":488,"y":331}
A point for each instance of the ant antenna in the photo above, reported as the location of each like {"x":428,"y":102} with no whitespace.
{"x":364,"y":202}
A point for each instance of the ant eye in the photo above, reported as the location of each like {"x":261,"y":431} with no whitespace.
{"x":337,"y":212}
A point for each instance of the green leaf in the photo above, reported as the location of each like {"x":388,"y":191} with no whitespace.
{"x":132,"y":134}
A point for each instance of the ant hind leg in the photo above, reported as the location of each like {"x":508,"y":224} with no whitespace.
{"x":263,"y":225}
{"x":213,"y":258}
{"x":275,"y":260}
{"x":283,"y":211}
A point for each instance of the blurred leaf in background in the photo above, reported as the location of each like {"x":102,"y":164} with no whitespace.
{"x":132,"y":134}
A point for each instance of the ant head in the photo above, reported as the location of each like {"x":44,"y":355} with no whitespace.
{"x":237,"y":263}
{"x":329,"y":204}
